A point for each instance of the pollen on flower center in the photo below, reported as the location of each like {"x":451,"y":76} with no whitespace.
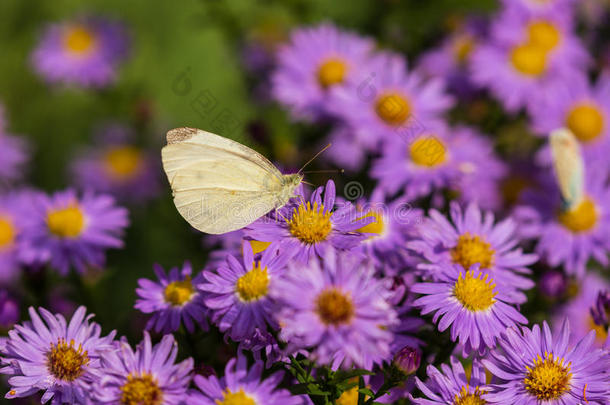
{"x":79,"y":40}
{"x":548,"y":379}
{"x":65,"y":362}
{"x":141,"y":389}
{"x":179,"y":293}
{"x":472,"y":250}
{"x":334,"y":307}
{"x":66,"y":222}
{"x":581,"y":218}
{"x":529,"y":59}
{"x":349,"y":397}
{"x":585,"y":121}
{"x":467,"y":398}
{"x":393,"y":108}
{"x":375,"y":227}
{"x":7,"y":232}
{"x":543,"y":34}
{"x":475,"y":294}
{"x":332,"y":71}
{"x":258,"y":246}
{"x":428,"y":151}
{"x":122,"y":162}
{"x":310,"y":224}
{"x":254,"y":284}
{"x":236,"y":398}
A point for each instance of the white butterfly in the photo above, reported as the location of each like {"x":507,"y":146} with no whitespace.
{"x":220,"y":185}
{"x":569,"y":167}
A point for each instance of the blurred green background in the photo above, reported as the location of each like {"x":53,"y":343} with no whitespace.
{"x":202,"y":42}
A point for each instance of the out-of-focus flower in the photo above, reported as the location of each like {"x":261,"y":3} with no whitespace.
{"x":534,"y":367}
{"x":472,"y":238}
{"x":11,"y":226}
{"x":476,"y":309}
{"x":316,"y":60}
{"x":9,"y":310}
{"x":237,"y":293}
{"x":451,"y":386}
{"x":387,"y":102}
{"x":67,"y":230}
{"x":115,"y":165}
{"x":526,"y":55}
{"x":62,"y":359}
{"x":338,"y":309}
{"x":172,"y":300}
{"x":13,"y":154}
{"x":242,"y":385}
{"x":569,"y":238}
{"x":85,"y":51}
{"x":148,"y":375}
{"x":553,"y":284}
{"x":308,"y":228}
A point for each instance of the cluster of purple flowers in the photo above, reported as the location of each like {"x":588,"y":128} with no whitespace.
{"x":372,"y":286}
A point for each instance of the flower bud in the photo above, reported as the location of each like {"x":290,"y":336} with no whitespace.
{"x":407,"y":360}
{"x":553,"y":284}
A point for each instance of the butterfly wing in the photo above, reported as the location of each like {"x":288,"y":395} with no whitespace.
{"x":219,"y":185}
{"x":569,"y":166}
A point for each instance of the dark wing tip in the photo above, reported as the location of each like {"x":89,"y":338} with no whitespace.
{"x":180,"y":134}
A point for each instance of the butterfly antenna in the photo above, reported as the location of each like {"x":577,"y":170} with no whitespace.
{"x":315,"y":156}
{"x":339,"y":171}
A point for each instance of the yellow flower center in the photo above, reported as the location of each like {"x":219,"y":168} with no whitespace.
{"x":548,"y":379}
{"x":601,"y":333}
{"x":310,"y":224}
{"x":66,"y":222}
{"x":393,"y":108}
{"x":475,"y":294}
{"x":462,"y":48}
{"x":258,"y":246}
{"x":179,"y":293}
{"x":471,"y":250}
{"x":79,"y":40}
{"x":581,"y":218}
{"x":122,"y":162}
{"x":543,"y":34}
{"x":65,"y":362}
{"x":7,"y":233}
{"x":529,"y":59}
{"x":334,"y":307}
{"x":236,"y":398}
{"x":141,"y":390}
{"x":332,"y":71}
{"x":586,"y":121}
{"x":349,"y":397}
{"x":467,"y":398}
{"x":428,"y":151}
{"x":375,"y":227}
{"x":253,"y":285}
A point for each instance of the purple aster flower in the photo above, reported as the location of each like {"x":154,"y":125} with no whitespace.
{"x":237,"y":293}
{"x":534,"y":368}
{"x":9,"y":310}
{"x":387,"y":102}
{"x":148,"y":375}
{"x":338,"y":309}
{"x":449,"y":385}
{"x":316,"y":60}
{"x":13,"y":154}
{"x":536,"y":6}
{"x":477,"y":309}
{"x":577,"y":310}
{"x":116,"y":165}
{"x":527,"y":54}
{"x":433,"y":159}
{"x":174,"y":298}
{"x":242,"y":385}
{"x":581,"y":107}
{"x":310,"y":227}
{"x":71,"y":231}
{"x":85,"y":51}
{"x":472,"y":238}
{"x":62,"y":359}
{"x":569,"y":238}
